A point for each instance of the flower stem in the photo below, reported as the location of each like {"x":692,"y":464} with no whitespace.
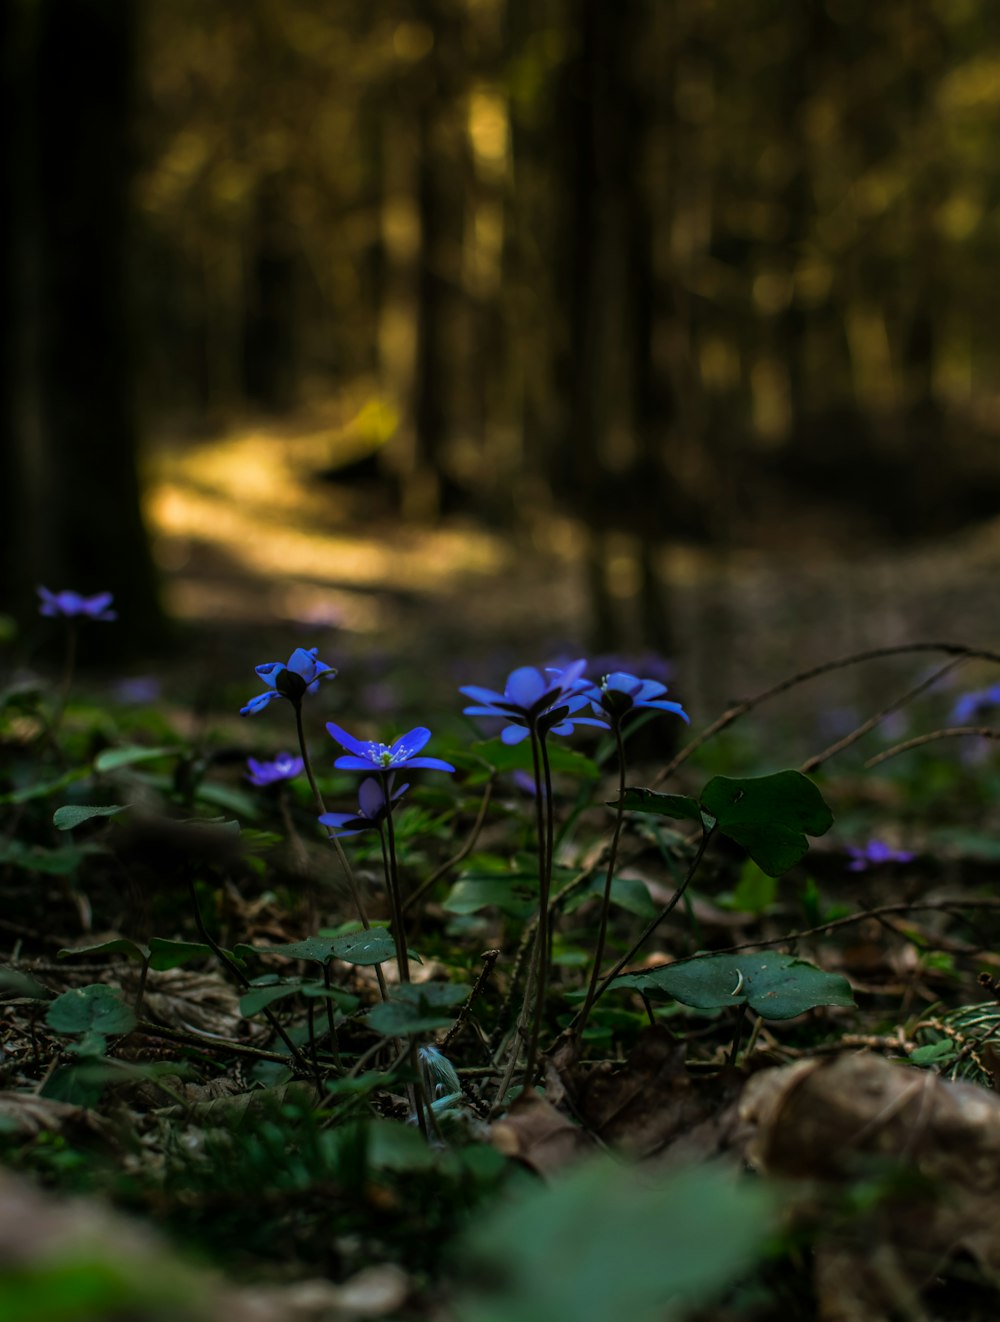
{"x":546,"y":829}
{"x":341,"y":856}
{"x":650,"y":927}
{"x":602,"y":933}
{"x":387,"y":836}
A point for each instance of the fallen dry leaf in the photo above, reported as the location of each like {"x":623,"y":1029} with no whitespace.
{"x":534,"y":1132}
{"x":934,"y":1143}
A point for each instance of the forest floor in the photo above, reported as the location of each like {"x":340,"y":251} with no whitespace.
{"x":812,"y":1021}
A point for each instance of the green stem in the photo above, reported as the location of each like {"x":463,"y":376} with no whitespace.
{"x":331,"y":1021}
{"x":651,"y":926}
{"x":341,"y":856}
{"x":546,"y":831}
{"x":595,"y":972}
{"x":387,"y":836}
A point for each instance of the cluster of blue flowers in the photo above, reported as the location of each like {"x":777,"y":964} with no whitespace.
{"x":533,"y":703}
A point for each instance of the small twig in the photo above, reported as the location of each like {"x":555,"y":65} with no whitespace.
{"x":857,"y":658}
{"x":813,"y":763}
{"x":219,"y":1045}
{"x":489,"y":958}
{"x":950,"y":732}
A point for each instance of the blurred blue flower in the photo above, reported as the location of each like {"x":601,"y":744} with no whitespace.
{"x":619,"y":693}
{"x":284,"y":767}
{"x":291,"y":679}
{"x":970,"y":706}
{"x":72,"y":605}
{"x":373,"y":808}
{"x":371,"y":756}
{"x":875,"y":853}
{"x":138,"y":689}
{"x":532,"y":699}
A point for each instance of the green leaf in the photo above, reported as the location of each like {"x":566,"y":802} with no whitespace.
{"x":95,"y":1008}
{"x":776,"y":986}
{"x":121,"y":945}
{"x":366,"y":948}
{"x":416,"y":1009}
{"x":629,"y":893}
{"x":755,"y":891}
{"x":316,"y":948}
{"x":22,"y":984}
{"x":44,"y":789}
{"x":936,"y":1053}
{"x":164,"y":955}
{"x":113,"y":759}
{"x":663,"y":805}
{"x":769,"y":816}
{"x":258,"y":998}
{"x":49,"y":862}
{"x":612,"y":1241}
{"x":75,"y":814}
{"x":516,"y":894}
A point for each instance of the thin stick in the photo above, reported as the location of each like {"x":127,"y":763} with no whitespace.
{"x":489,"y":958}
{"x":812,"y":763}
{"x":952,"y":732}
{"x":874,"y":654}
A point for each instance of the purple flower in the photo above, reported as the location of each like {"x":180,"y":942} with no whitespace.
{"x":292,"y":679}
{"x":875,"y":853}
{"x":619,"y":693}
{"x":371,"y":756}
{"x":972,"y":705}
{"x":535,"y":700}
{"x":373,"y":807}
{"x":72,"y":605}
{"x":284,"y":767}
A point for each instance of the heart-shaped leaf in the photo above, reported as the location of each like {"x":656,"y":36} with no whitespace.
{"x":119,"y":945}
{"x":94,"y":1009}
{"x":769,"y":816}
{"x":165,"y":955}
{"x":71,"y":815}
{"x":776,"y":986}
{"x":416,"y":1009}
{"x":680,"y":806}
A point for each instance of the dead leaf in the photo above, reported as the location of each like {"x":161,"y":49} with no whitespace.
{"x":534,"y":1132}
{"x":934,"y":1143}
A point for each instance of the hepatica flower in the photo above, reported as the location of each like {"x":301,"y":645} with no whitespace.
{"x":284,"y":767}
{"x":291,"y":679}
{"x":372,"y":756}
{"x":73,"y":606}
{"x":374,"y":805}
{"x":970,"y":706}
{"x":874,"y":853}
{"x":619,"y":693}
{"x":543,"y":701}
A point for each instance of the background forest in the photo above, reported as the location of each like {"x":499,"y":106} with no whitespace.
{"x":614,"y":280}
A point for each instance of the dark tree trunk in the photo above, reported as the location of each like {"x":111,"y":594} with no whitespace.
{"x":269,"y":328}
{"x":79,"y":521}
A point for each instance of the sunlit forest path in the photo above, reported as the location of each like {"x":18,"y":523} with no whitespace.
{"x":267,"y":529}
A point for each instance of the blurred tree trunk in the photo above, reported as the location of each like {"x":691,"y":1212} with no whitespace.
{"x":270,"y":321}
{"x":73,"y":458}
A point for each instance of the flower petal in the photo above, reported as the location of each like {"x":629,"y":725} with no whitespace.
{"x":348,"y":741}
{"x":514,"y":734}
{"x":524,"y":686}
{"x":259,"y":702}
{"x":303,"y":662}
{"x":354,"y":763}
{"x":371,"y":798}
{"x":411,"y":742}
{"x":477,"y":693}
{"x":430,"y":764}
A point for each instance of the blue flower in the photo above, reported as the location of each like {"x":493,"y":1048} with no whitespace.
{"x":373,"y":808}
{"x":284,"y":767}
{"x":875,"y":853}
{"x":72,"y":605}
{"x":972,"y":705}
{"x":371,"y":756}
{"x":619,"y":693}
{"x":533,"y":700}
{"x":292,"y":679}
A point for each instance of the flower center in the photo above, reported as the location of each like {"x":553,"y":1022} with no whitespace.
{"x":383,"y":755}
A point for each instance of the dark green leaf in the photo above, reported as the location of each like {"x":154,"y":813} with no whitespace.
{"x":121,"y":945}
{"x":769,"y":816}
{"x":74,"y":814}
{"x":517,"y":757}
{"x":416,"y":1009}
{"x":662,"y":805}
{"x":94,"y":1008}
{"x":514,"y":895}
{"x":164,"y":955}
{"x":113,"y":759}
{"x":776,"y":986}
{"x":258,"y":998}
